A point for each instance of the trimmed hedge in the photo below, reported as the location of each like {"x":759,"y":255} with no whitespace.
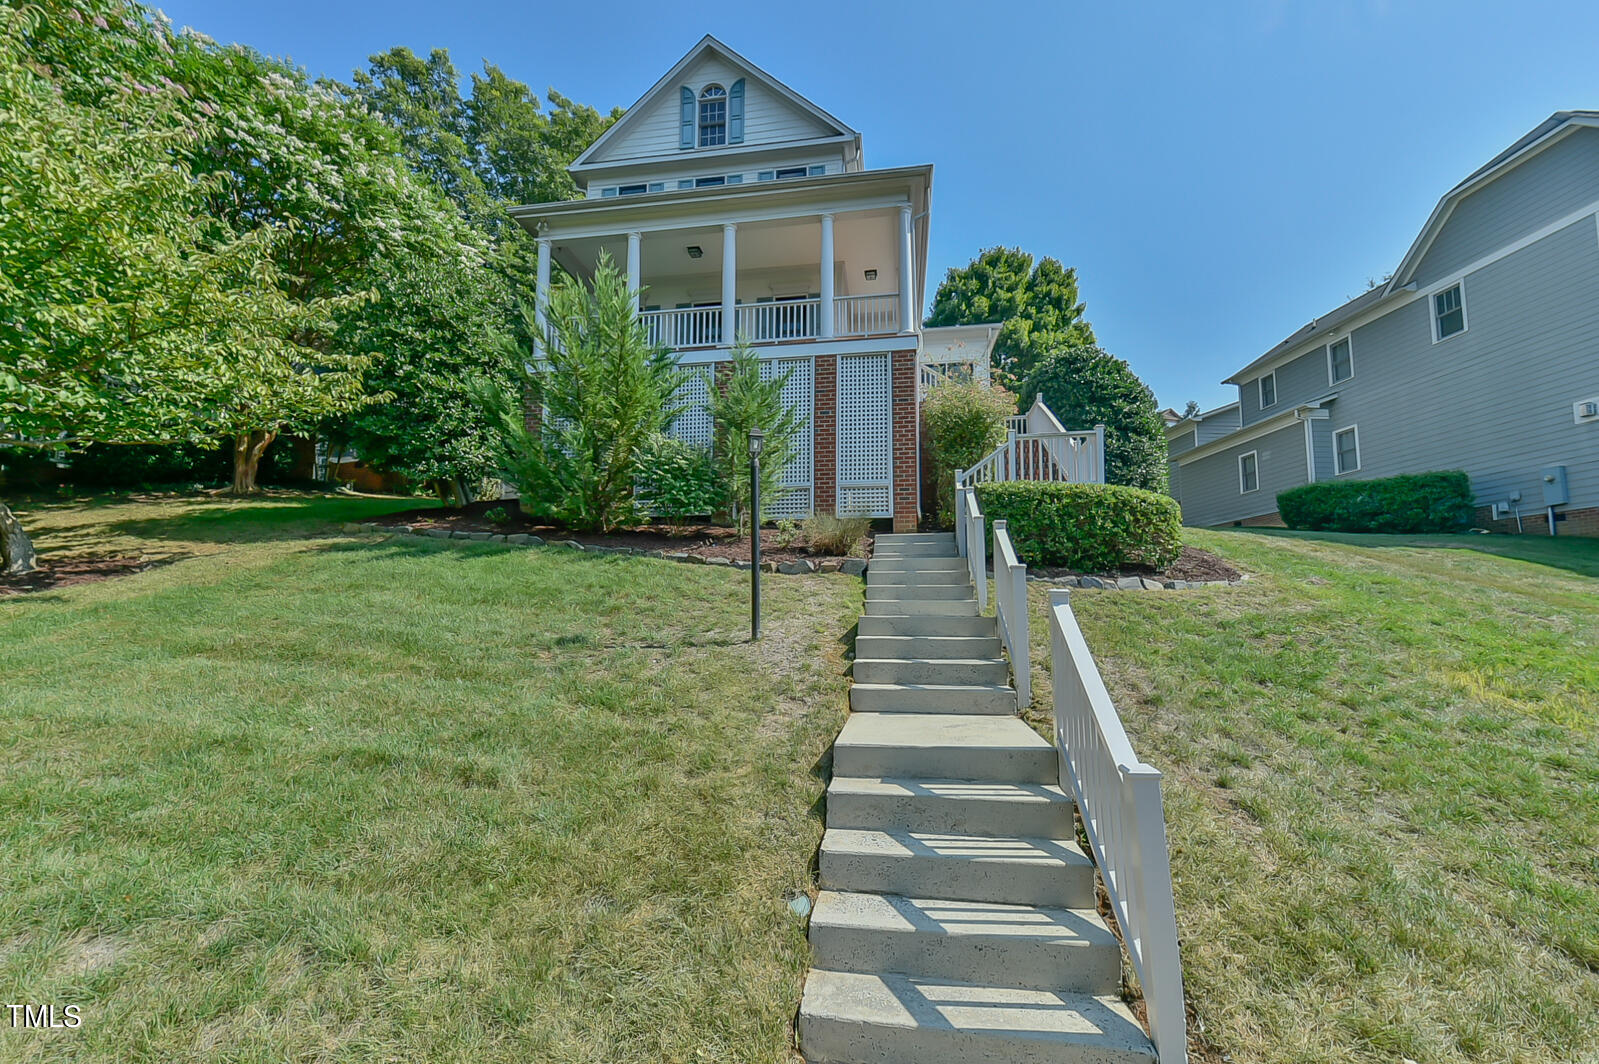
{"x":1417,"y":502}
{"x":1087,"y":527}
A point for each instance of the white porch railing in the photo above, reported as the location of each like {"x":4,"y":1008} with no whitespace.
{"x":969,"y":541}
{"x":866,"y":315}
{"x":1044,"y":451}
{"x":789,"y":319}
{"x":1010,"y":608}
{"x":683,"y":327}
{"x":1119,"y":800}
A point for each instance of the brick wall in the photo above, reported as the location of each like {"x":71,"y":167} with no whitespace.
{"x":907,"y":443}
{"x":825,"y":420}
{"x":532,"y":410}
{"x":1583,"y":522}
{"x":1271,"y":520}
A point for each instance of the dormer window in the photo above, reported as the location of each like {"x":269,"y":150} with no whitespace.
{"x":713,"y":116}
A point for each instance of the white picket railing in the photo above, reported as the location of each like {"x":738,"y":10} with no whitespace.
{"x":1010,"y":607}
{"x":1072,"y":457}
{"x":683,"y":327}
{"x":969,"y":540}
{"x":866,"y":315}
{"x":1119,"y":800}
{"x":789,"y":319}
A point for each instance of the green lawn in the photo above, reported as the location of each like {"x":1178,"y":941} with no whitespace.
{"x":1382,"y":787}
{"x":344,"y":798}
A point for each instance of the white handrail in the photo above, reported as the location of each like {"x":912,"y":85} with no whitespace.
{"x":787,"y":319}
{"x":1010,"y":607}
{"x":969,"y":541}
{"x":1070,"y":457}
{"x":866,"y":315}
{"x":1119,"y":800}
{"x":684,"y":326}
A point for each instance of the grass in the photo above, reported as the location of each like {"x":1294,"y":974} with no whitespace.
{"x":1382,"y":791}
{"x":343,"y":798}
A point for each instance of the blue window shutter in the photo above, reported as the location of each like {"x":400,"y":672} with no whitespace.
{"x":815,"y":171}
{"x":735,"y":113}
{"x":686,"y":131}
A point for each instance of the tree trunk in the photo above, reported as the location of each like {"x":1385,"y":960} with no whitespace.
{"x":16,"y":549}
{"x":248,"y":447}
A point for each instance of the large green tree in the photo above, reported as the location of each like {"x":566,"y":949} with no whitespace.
{"x":1086,"y":386}
{"x":1037,"y":302}
{"x":743,"y":401}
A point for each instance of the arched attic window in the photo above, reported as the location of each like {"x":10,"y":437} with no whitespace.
{"x":713,"y":116}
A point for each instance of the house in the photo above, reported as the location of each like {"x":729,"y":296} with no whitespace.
{"x":743,"y":209}
{"x":1480,"y":353}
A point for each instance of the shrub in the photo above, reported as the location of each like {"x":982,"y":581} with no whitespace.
{"x":742,"y":402}
{"x":827,"y":534}
{"x":1417,"y":502}
{"x":498,"y":515}
{"x":678,"y":480}
{"x":964,"y":422}
{"x":1087,"y":527}
{"x":1086,"y":386}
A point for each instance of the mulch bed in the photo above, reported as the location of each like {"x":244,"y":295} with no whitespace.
{"x":64,"y":572}
{"x":1193,"y":564}
{"x":707,"y":541}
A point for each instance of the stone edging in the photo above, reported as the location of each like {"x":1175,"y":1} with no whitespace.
{"x":1131,"y":583}
{"x":801,"y":566}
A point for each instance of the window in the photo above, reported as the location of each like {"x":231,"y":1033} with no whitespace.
{"x":1248,"y":473}
{"x":1448,"y":313}
{"x":1268,"y":390}
{"x":709,"y":182}
{"x":632,"y":190}
{"x":713,"y":116}
{"x":1346,"y":450}
{"x":790,"y":171}
{"x":1340,"y":361}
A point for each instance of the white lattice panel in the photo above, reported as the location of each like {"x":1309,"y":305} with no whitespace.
{"x":865,"y":436}
{"x":798,"y":474}
{"x":694,"y":424}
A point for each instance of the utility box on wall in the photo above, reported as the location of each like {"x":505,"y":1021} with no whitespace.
{"x":1555,"y":491}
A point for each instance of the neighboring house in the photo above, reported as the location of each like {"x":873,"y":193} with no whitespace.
{"x":745,"y":210}
{"x":1480,"y":353}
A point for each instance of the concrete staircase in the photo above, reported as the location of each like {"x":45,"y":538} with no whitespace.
{"x":956,"y":920}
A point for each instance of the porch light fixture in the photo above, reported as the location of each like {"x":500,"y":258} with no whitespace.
{"x":695,"y":251}
{"x":757,"y":440}
{"x":871,"y":275}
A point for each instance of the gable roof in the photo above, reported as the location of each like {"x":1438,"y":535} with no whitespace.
{"x":669,"y":80}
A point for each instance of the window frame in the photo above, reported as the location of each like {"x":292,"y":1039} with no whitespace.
{"x":711,"y":181}
{"x":701,"y":126}
{"x":1354,"y":431}
{"x":636,"y":188}
{"x":1332,"y":374}
{"x":788,"y":173}
{"x":1432,"y":310}
{"x":1255,"y":461}
{"x":1260,"y":389}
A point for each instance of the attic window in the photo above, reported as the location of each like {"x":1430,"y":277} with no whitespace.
{"x":713,"y":116}
{"x":632,"y":190}
{"x":790,"y":171}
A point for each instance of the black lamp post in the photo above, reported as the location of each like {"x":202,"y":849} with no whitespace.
{"x":757,"y":439}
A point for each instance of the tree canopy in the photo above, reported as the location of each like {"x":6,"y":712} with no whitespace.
{"x":1037,"y":302}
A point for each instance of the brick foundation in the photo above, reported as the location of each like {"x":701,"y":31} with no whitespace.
{"x":1584,"y":522}
{"x":532,"y":410}
{"x":1271,"y":520}
{"x":907,"y":441}
{"x":825,"y":447}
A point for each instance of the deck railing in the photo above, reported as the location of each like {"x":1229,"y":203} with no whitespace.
{"x":683,"y":327}
{"x":1119,"y":800}
{"x":1072,"y":457}
{"x":1010,"y":608}
{"x":865,"y":315}
{"x":789,"y":319}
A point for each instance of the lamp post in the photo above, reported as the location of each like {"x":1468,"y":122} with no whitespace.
{"x":757,"y":438}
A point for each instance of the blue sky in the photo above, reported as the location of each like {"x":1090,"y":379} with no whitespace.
{"x":1219,"y":173}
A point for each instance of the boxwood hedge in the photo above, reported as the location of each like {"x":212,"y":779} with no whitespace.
{"x":1087,"y":527}
{"x":1417,"y":502}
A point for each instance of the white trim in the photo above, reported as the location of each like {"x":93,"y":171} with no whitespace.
{"x":1241,"y":489}
{"x":1310,"y":453}
{"x":876,"y":345}
{"x":1276,"y":423}
{"x":1337,"y":433}
{"x":1260,"y":389}
{"x":1432,"y":308}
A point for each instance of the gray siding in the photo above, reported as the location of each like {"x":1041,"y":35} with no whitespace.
{"x":1545,"y":188}
{"x":1321,"y":433}
{"x":1298,"y":380}
{"x":1209,"y":485}
{"x":1180,"y":444}
{"x":1496,"y":399}
{"x":1218,"y":425}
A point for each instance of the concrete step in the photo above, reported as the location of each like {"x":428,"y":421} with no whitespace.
{"x":937,"y":671}
{"x":920,"y":577}
{"x":1016,"y":870}
{"x":965,"y":807}
{"x":900,"y":538}
{"x":927,"y":646}
{"x":943,"y":746}
{"x":986,"y":698}
{"x":860,"y":1018}
{"x":924,"y":624}
{"x":885,"y":564}
{"x":1040,"y":947}
{"x":915,"y":550}
{"x":893,"y":607}
{"x":918,"y":592}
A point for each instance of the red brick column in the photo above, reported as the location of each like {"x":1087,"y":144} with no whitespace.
{"x":825,"y":433}
{"x":906,"y":418}
{"x":532,"y":409}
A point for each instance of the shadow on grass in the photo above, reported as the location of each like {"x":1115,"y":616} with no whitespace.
{"x":1575,"y":554}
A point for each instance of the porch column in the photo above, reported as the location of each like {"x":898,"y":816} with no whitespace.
{"x":633,"y":240}
{"x":907,"y":271}
{"x":827,"y":277}
{"x":729,"y":283}
{"x":541,"y":294}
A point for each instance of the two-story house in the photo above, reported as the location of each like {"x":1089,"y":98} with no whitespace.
{"x":742,"y":209}
{"x":1480,"y":353}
